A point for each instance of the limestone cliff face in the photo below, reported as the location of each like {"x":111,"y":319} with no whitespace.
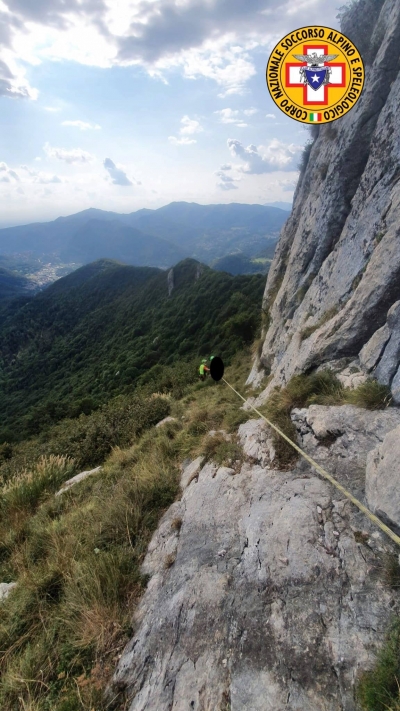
{"x":336,"y":271}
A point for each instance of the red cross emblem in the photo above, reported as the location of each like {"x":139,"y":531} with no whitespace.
{"x":320,"y":96}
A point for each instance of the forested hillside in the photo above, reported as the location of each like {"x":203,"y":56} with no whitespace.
{"x":12,"y":284}
{"x":107,"y":327}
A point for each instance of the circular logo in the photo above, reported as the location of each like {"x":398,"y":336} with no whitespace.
{"x":315,"y":74}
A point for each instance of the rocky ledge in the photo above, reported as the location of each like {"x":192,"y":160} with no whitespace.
{"x":265,"y":587}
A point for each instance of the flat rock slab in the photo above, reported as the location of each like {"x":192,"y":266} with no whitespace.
{"x":340,"y":437}
{"x":256,"y":439}
{"x":261,"y":598}
{"x":76,"y":479}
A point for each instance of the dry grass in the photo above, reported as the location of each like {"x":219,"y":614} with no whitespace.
{"x":77,"y":557}
{"x":217,"y":449}
{"x":302,"y":390}
{"x":169,"y":560}
{"x":176,"y":524}
{"x":371,"y":395}
{"x":77,"y":562}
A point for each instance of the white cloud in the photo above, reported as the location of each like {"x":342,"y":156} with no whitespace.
{"x":287,"y":185}
{"x":82,"y":125}
{"x":52,"y":109}
{"x":117,"y":174}
{"x":40,"y":177}
{"x":226,"y":166}
{"x":188,"y":127}
{"x":8,"y":173}
{"x":231,"y":116}
{"x":74,"y":155}
{"x":184,"y":141}
{"x":212,"y":39}
{"x":250,"y":112}
{"x":226,"y":182}
{"x":272,"y":116}
{"x":265,"y":159}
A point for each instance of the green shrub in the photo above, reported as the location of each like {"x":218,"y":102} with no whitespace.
{"x":90,"y":438}
{"x":378,"y":689}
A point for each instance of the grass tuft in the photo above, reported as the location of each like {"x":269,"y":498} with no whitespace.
{"x":371,"y":395}
{"x":320,"y":388}
{"x":378,"y":689}
{"x":220,"y":451}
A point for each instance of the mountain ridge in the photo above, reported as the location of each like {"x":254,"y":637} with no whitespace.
{"x":203,"y":232}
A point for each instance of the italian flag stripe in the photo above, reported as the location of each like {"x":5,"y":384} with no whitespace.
{"x":315,"y":117}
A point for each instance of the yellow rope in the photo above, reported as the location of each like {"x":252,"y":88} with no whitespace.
{"x":324,"y":473}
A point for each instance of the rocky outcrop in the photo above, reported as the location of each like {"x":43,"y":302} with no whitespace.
{"x":255,"y":438}
{"x":165,"y":421}
{"x":381,"y":355}
{"x":265,"y":587}
{"x":5,"y":589}
{"x":383,"y":480}
{"x":336,"y":270}
{"x":76,"y":479}
{"x":170,"y":282}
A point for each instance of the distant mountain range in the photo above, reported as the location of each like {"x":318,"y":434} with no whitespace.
{"x":282,"y":205}
{"x":158,"y":238}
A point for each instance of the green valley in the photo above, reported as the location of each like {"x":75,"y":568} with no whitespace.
{"x":108,"y":328}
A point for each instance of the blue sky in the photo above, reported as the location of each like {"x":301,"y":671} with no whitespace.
{"x":136,"y":103}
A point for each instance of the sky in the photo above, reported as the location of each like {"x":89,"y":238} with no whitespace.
{"x":124,"y":104}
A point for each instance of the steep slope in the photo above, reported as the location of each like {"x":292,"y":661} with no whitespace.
{"x":336,"y":269}
{"x":12,"y":284}
{"x":94,"y":333}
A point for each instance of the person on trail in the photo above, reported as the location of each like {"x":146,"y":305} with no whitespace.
{"x":203,"y":370}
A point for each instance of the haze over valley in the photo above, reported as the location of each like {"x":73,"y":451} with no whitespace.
{"x":232,"y":237}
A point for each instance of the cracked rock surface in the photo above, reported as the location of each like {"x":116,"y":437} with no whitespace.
{"x":335,"y":273}
{"x":271,"y":601}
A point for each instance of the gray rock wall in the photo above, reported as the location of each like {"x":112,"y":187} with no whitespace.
{"x":336,"y":270}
